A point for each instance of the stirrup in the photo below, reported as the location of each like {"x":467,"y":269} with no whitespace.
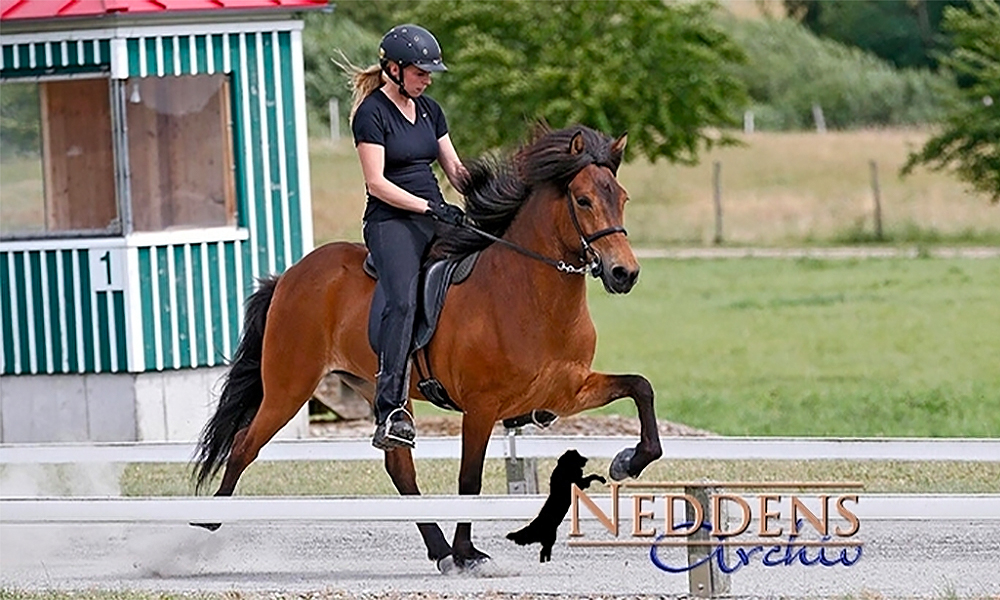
{"x":399,"y":433}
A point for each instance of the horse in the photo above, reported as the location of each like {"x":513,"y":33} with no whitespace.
{"x":515,"y":337}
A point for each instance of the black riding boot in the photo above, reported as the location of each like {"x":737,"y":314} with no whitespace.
{"x":394,"y":425}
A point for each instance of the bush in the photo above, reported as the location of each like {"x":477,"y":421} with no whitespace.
{"x":789,"y":69}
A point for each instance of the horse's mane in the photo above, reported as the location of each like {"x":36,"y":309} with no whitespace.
{"x":498,"y":186}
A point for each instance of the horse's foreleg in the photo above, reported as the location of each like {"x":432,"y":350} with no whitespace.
{"x":476,"y":431}
{"x":600,"y":389}
{"x":399,"y":465}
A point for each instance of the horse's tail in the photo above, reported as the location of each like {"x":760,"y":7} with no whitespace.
{"x":242,"y":391}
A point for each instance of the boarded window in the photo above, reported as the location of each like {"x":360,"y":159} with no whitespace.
{"x":58,"y":164}
{"x":180,"y":153}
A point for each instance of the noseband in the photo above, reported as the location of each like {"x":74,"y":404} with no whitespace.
{"x":589,"y":256}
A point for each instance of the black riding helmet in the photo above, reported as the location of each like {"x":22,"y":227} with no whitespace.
{"x":409,"y":45}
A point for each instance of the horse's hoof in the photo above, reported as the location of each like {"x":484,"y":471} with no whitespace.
{"x":472,"y":565}
{"x":208,"y":526}
{"x":619,"y":466}
{"x":446,"y":565}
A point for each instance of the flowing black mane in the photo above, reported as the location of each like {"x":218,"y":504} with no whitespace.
{"x":498,"y":186}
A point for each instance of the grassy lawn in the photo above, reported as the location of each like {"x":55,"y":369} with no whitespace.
{"x":807,"y":347}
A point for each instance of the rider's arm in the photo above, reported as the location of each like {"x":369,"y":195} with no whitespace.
{"x":452,"y":165}
{"x":373,"y":166}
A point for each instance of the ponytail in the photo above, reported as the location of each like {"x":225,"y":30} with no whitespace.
{"x":363,"y":83}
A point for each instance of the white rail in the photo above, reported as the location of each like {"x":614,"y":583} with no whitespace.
{"x":704,"y":448}
{"x":932,"y":507}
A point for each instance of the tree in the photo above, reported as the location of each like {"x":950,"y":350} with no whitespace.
{"x":970,"y":141}
{"x":660,"y":71}
{"x":905,"y":32}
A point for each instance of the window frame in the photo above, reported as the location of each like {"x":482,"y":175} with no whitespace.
{"x":123,"y":225}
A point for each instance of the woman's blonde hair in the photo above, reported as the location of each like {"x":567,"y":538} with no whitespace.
{"x":363,"y":82}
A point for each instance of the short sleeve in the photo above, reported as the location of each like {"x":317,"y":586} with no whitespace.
{"x":437,"y":116}
{"x":367,"y":125}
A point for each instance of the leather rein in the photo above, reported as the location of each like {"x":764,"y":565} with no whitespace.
{"x":589,"y":256}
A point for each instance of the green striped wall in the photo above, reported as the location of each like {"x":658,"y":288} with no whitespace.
{"x":40,"y":58}
{"x":53,"y":321}
{"x":191,"y":296}
{"x":184,"y":301}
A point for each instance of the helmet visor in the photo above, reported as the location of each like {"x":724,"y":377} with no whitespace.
{"x":430,"y":66}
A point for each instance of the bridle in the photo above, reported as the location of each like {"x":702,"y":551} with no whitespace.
{"x":589,"y":256}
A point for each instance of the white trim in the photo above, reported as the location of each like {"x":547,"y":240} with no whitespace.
{"x":17,"y":56}
{"x":251,"y":197}
{"x":32,"y":63}
{"x":112,"y":332}
{"x":48,"y":54}
{"x":81,"y":354}
{"x":134,"y":333}
{"x":192,"y":55}
{"x":2,"y":63}
{"x":16,"y":329}
{"x":175,"y":42}
{"x":241,"y":293}
{"x":94,"y":326}
{"x":29,"y":303}
{"x":206,"y":297}
{"x":159,"y":56}
{"x":133,"y":31}
{"x":79,"y":52}
{"x":279,"y":108}
{"x":227,"y":64}
{"x":61,"y":290}
{"x":175,"y":347}
{"x":265,"y":155}
{"x":982,"y":450}
{"x":143,"y":61}
{"x":119,"y":59}
{"x":80,"y":243}
{"x":43,"y":275}
{"x":179,"y":237}
{"x":210,"y":53}
{"x":154,"y":267}
{"x":302,"y":142}
{"x":192,"y":333}
{"x":224,"y":300}
{"x":97,"y":50}
{"x":64,"y":50}
{"x":870,"y":507}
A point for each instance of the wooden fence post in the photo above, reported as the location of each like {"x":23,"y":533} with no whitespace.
{"x":819,"y":118}
{"x":877,"y":196}
{"x":707,"y":580}
{"x":717,"y":200}
{"x":334,"y":119}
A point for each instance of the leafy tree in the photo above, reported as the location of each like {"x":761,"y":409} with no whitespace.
{"x":905,"y":32}
{"x":19,"y":118}
{"x":324,"y":38}
{"x":970,"y":141}
{"x":657,"y":70}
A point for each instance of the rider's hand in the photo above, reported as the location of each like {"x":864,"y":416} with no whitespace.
{"x":446,"y":213}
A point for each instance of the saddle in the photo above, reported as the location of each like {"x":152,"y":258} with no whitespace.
{"x":432,"y":289}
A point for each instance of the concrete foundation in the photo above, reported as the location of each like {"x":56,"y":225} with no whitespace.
{"x":159,"y":406}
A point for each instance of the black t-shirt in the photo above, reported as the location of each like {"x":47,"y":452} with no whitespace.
{"x":410,"y":148}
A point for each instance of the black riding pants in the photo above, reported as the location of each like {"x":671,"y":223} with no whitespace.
{"x":397,"y":247}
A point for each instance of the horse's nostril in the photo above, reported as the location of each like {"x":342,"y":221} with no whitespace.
{"x":620,"y":274}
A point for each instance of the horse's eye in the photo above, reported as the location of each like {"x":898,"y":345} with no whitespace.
{"x":583,"y":201}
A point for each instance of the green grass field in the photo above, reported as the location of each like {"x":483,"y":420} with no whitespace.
{"x":807,"y":347}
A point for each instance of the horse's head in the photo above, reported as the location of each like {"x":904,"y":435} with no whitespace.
{"x":596,"y":207}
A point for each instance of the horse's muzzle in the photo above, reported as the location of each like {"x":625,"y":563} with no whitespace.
{"x":619,"y":279}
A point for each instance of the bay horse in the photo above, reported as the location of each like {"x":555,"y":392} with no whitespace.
{"x":514,"y":337}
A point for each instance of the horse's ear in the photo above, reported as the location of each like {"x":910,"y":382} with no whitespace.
{"x":618,"y":146}
{"x":576,"y":145}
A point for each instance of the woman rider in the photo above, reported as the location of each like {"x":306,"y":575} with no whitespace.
{"x":399,"y":133}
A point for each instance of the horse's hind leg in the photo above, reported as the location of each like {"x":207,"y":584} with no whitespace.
{"x":399,"y":465}
{"x":600,"y":389}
